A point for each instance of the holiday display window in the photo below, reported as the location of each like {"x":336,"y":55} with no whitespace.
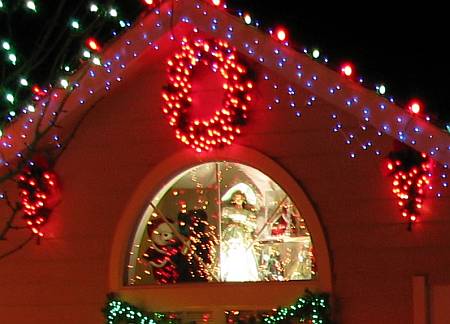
{"x":220,"y":222}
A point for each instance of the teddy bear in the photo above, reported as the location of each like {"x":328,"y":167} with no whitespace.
{"x":166,"y":252}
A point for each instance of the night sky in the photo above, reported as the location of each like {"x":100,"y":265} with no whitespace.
{"x":402,"y":47}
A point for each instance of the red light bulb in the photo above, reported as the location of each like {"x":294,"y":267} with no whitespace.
{"x":281,"y":34}
{"x":92,"y":44}
{"x":216,"y":2}
{"x":415,"y":106}
{"x":347,"y":69}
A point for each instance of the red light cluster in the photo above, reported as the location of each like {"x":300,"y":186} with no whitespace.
{"x":411,"y":172}
{"x":37,"y":188}
{"x":221,"y":128}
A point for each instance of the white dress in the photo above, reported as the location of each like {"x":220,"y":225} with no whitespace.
{"x":237,"y":256}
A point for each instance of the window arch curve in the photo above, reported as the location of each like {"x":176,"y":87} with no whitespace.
{"x":191,"y":296}
{"x":220,"y":221}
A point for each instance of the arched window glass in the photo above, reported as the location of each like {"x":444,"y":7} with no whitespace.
{"x":220,"y":222}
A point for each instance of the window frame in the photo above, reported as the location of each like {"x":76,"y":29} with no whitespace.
{"x":206,"y":296}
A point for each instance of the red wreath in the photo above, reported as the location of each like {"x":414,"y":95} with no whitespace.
{"x":221,"y":128}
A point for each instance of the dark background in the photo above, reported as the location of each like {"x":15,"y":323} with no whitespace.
{"x":406,"y":47}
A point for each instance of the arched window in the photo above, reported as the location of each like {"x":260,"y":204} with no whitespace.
{"x":220,"y":222}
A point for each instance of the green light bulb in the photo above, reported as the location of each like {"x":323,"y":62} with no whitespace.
{"x":247,"y":19}
{"x":64,"y":83}
{"x":10,"y":97}
{"x":113,"y":12}
{"x":96,"y":61}
{"x":6,"y":45}
{"x":13,"y":58}
{"x":86,"y":54}
{"x":31,"y":5}
{"x":93,"y":7}
{"x":316,"y":53}
{"x":75,"y":24}
{"x":381,"y":89}
{"x":23,"y":82}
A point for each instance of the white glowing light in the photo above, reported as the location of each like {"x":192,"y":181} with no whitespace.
{"x":31,"y":5}
{"x":247,"y":19}
{"x":113,"y":12}
{"x":75,"y":24}
{"x":6,"y":45}
{"x":9,"y":97}
{"x":64,"y":83}
{"x":315,"y":53}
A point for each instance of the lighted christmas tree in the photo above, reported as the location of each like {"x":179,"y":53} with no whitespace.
{"x":194,"y":225}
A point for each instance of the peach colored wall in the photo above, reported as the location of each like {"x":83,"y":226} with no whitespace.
{"x":65,"y":279}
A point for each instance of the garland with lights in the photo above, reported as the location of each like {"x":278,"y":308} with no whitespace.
{"x":37,"y":193}
{"x":221,"y":128}
{"x":411,"y":173}
{"x":117,"y":311}
{"x":311,"y":308}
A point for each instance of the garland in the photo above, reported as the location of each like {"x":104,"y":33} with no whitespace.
{"x":313,"y":308}
{"x":117,"y":310}
{"x":221,"y":128}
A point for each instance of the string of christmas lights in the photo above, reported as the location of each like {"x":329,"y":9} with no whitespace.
{"x":311,"y":307}
{"x":313,"y":54}
{"x":26,"y":80}
{"x":116,"y":311}
{"x":114,"y":65}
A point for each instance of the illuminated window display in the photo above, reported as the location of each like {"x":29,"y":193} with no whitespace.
{"x":220,"y":222}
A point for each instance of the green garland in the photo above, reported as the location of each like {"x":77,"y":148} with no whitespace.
{"x":117,"y":311}
{"x":311,"y":307}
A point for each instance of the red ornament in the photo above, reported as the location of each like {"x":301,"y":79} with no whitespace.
{"x":222,"y":127}
{"x":37,"y":194}
{"x":411,"y":173}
